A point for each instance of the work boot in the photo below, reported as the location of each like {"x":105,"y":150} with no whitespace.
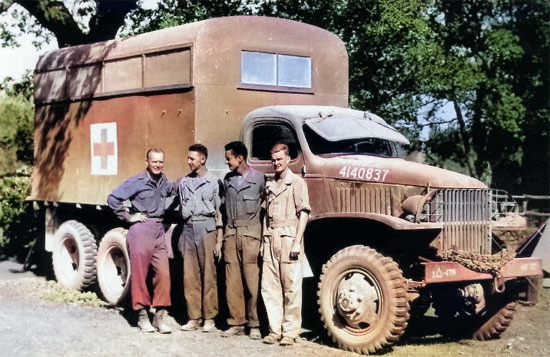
{"x":255,"y":333}
{"x":233,"y":331}
{"x":143,"y":321}
{"x":159,"y":322}
{"x":191,"y":325}
{"x":209,"y":326}
{"x":271,"y":339}
{"x":287,"y":341}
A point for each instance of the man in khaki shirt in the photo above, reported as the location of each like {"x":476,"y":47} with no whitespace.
{"x":283,"y":252}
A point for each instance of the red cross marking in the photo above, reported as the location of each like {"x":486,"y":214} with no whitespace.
{"x":104,"y":149}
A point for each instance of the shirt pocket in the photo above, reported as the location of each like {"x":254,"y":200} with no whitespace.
{"x":143,"y":195}
{"x":251,"y":203}
{"x":208,"y":203}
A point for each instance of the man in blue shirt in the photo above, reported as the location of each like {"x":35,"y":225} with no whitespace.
{"x":147,"y":193}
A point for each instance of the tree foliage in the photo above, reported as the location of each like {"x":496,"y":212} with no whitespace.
{"x":471,"y":75}
{"x":16,"y":126}
{"x":71,"y":22}
{"x":495,"y":77}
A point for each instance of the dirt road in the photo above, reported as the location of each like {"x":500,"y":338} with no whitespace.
{"x":31,"y":324}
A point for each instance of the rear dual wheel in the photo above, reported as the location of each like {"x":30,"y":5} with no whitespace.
{"x":113,"y":266}
{"x":74,"y":256}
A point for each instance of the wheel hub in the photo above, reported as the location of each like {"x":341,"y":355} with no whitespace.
{"x":357,"y":301}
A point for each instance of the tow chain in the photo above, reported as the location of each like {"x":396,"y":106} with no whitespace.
{"x":480,"y":263}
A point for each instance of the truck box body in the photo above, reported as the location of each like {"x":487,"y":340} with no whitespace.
{"x":99,"y":107}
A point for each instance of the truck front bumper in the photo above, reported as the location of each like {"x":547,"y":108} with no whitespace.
{"x":527,"y":270}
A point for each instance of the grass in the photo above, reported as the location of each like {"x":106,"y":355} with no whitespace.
{"x":56,"y":293}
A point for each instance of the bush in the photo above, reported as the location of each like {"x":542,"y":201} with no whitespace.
{"x":15,"y":215}
{"x":16,"y":134}
{"x":16,"y":130}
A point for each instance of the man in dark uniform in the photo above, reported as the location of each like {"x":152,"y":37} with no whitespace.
{"x":147,"y":193}
{"x":244,"y":191}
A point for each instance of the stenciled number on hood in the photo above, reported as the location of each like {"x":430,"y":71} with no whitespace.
{"x":364,"y":173}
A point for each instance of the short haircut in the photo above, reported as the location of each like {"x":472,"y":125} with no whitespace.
{"x":280,"y":147}
{"x":238,"y":148}
{"x":153,"y":150}
{"x":199,"y":148}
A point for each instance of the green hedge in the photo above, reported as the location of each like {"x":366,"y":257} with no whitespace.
{"x":16,"y":130}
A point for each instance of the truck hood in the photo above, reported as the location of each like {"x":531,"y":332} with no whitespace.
{"x":393,"y":171}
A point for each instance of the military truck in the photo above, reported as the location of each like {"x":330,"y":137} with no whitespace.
{"x":387,"y":238}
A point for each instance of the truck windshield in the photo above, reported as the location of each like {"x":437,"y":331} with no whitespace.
{"x":355,"y":146}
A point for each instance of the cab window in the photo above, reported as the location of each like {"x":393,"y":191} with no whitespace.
{"x":264,"y":136}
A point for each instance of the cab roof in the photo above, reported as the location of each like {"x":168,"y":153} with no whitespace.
{"x":333,"y":123}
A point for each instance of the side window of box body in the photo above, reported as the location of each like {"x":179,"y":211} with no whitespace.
{"x":272,"y":71}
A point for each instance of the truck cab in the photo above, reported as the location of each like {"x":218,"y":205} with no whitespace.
{"x":388,"y":238}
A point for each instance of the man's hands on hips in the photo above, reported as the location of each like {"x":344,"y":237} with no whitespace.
{"x":137,"y":217}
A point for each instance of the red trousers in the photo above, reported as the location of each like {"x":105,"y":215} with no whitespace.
{"x":147,"y":249}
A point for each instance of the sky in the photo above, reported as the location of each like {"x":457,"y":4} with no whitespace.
{"x":15,"y":61}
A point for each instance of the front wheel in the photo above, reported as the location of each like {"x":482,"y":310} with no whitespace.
{"x":113,"y":266}
{"x":363,"y":300}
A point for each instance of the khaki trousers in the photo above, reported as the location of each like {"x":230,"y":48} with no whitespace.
{"x":281,"y":287}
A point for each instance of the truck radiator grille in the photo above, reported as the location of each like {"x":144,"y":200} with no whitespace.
{"x":366,"y":198}
{"x":466,"y":215}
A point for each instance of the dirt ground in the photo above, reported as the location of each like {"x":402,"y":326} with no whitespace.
{"x":37,"y":319}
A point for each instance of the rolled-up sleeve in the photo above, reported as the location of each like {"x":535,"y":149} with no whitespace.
{"x":301,"y":196}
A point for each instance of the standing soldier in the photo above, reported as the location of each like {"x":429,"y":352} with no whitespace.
{"x":244,"y":188}
{"x":283,"y":252}
{"x":201,"y":240}
{"x":147,"y":193}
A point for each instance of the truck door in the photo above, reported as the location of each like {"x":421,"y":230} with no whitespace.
{"x":261,"y":137}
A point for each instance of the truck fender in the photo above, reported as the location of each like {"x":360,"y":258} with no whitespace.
{"x":390,"y":221}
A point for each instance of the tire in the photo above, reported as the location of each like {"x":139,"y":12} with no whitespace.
{"x":496,"y":324}
{"x":74,"y":256}
{"x":486,"y":324}
{"x":358,"y":281}
{"x":113,"y":266}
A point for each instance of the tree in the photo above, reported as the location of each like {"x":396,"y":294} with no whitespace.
{"x":66,"y":24}
{"x":178,"y":12}
{"x":483,"y":62}
{"x":16,"y":125}
{"x":24,"y":87}
{"x":494,"y":73}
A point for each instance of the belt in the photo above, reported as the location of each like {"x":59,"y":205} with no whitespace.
{"x":201,"y":218}
{"x":155,"y":219}
{"x":283,"y":223}
{"x":244,"y":223}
